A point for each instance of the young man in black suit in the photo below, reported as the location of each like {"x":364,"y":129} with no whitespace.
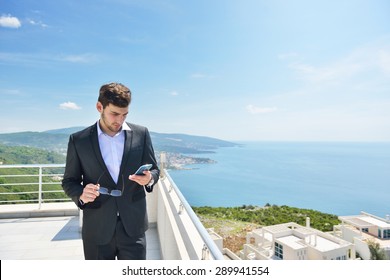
{"x":99,"y":177}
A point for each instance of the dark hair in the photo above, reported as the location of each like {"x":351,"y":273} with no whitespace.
{"x":115,"y":94}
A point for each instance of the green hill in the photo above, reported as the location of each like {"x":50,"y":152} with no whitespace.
{"x":28,"y":155}
{"x":270,"y":215}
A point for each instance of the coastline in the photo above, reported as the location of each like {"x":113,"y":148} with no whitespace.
{"x":177,"y":161}
{"x":337,"y":178}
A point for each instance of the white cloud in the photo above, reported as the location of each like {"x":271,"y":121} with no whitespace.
{"x":174,"y":93}
{"x":201,"y":76}
{"x":371,"y":60}
{"x":33,"y":59}
{"x":332,"y":73}
{"x":38,"y":23}
{"x":289,"y":55}
{"x":11,"y":92}
{"x":80,"y":58}
{"x":254,"y":110}
{"x":69,"y":106}
{"x":384,"y":61}
{"x":198,"y":76}
{"x":9,"y":21}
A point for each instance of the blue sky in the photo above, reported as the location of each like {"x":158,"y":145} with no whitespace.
{"x":235,"y":70}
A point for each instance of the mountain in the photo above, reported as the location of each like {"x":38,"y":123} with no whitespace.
{"x":57,"y":140}
{"x":187,"y":144}
{"x":66,"y":131}
{"x":28,"y":155}
{"x":42,"y":140}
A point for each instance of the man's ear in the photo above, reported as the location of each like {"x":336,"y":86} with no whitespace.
{"x":99,"y":107}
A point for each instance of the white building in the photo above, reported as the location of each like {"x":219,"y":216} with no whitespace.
{"x":365,"y":227}
{"x":291,"y":241}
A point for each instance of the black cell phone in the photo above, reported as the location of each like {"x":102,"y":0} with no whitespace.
{"x":143,"y":168}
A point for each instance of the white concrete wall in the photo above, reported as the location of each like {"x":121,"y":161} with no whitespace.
{"x":151,"y":204}
{"x":180,"y":238}
{"x":361,"y":247}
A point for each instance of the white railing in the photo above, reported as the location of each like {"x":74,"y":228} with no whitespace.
{"x":31,"y":183}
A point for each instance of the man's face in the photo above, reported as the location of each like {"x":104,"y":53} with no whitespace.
{"x":111,"y":118}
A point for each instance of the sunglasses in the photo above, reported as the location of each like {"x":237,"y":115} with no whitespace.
{"x":116,"y":193}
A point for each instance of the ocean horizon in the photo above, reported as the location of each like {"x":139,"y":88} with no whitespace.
{"x":341,"y":178}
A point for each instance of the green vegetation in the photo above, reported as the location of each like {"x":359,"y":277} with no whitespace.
{"x":28,"y":155}
{"x":377,"y":253}
{"x":14,"y":187}
{"x":269,"y":215}
{"x":26,"y":188}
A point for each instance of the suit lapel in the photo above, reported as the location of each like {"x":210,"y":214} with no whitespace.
{"x":95,"y":145}
{"x":127,"y":149}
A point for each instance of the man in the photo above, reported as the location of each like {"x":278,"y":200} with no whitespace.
{"x":99,"y":177}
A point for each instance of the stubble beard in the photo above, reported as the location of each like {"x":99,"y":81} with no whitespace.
{"x":109,"y":126}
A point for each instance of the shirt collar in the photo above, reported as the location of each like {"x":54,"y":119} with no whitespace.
{"x":125,"y":126}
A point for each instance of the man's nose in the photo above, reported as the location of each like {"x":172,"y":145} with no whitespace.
{"x":121,"y":118}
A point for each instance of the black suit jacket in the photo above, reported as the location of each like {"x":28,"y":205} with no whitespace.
{"x":84,"y":165}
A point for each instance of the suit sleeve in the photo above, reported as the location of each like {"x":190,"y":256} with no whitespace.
{"x":149,"y":156}
{"x":72,"y":181}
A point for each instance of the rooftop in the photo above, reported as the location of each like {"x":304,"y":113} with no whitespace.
{"x":292,"y":241}
{"x":54,"y":237}
{"x":366,"y":220}
{"x":298,"y":237}
{"x":326,"y":244}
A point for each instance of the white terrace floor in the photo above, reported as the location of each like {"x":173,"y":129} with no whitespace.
{"x":49,"y":234}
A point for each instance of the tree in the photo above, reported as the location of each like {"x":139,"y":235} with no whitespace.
{"x":377,"y":253}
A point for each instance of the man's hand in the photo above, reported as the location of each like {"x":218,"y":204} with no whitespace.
{"x":90,"y":193}
{"x":142,"y":179}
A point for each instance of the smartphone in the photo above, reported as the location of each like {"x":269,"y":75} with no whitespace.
{"x":143,"y":168}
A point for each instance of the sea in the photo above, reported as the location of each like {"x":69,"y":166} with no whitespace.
{"x":340,"y":178}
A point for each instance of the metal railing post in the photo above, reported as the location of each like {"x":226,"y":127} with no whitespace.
{"x":163,"y":163}
{"x":40,"y":188}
